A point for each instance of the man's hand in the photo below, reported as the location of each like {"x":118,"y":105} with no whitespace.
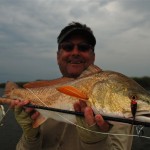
{"x":25,"y":118}
{"x":90,"y":122}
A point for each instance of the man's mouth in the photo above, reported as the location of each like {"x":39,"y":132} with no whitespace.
{"x":75,"y":61}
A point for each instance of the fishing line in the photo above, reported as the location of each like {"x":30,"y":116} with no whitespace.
{"x":4,"y":115}
{"x":36,"y":96}
{"x":98,"y":132}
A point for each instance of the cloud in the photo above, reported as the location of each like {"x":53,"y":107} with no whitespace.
{"x":29,"y":30}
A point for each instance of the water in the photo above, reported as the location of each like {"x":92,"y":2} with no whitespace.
{"x":10,"y":133}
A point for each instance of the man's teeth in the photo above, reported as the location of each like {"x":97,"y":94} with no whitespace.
{"x":72,"y":62}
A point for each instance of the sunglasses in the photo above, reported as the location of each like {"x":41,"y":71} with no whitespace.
{"x":83,"y":47}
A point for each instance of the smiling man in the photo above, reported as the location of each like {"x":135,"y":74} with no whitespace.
{"x":75,"y":50}
{"x":75,"y":53}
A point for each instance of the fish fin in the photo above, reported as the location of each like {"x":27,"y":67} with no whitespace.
{"x":72,"y":91}
{"x":40,"y":120}
{"x":92,"y":69}
{"x":9,"y":87}
{"x":43,"y":83}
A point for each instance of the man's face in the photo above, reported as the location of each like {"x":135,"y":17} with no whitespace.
{"x":73,"y":59}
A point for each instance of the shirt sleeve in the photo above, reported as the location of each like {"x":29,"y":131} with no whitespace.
{"x":25,"y":144}
{"x":119,"y":138}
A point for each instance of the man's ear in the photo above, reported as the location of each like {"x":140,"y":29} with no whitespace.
{"x":58,"y":56}
{"x":93,"y":57}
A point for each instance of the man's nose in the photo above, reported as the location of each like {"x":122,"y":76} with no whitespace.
{"x":75,"y":50}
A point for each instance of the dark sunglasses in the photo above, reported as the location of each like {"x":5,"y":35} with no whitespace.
{"x":83,"y":47}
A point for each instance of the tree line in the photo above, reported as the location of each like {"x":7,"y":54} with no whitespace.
{"x":144,"y":81}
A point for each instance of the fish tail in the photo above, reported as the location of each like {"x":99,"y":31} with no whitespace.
{"x":9,"y":87}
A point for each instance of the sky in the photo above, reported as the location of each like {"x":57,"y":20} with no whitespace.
{"x":29,"y":30}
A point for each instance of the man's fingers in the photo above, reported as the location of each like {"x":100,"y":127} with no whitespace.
{"x":77,"y":107}
{"x":19,"y":107}
{"x":89,"y":116}
{"x":104,"y":126}
{"x":23,"y":103}
{"x":83,"y":105}
{"x":28,"y":110}
{"x":35,"y":115}
{"x":13,"y":103}
{"x":80,"y":106}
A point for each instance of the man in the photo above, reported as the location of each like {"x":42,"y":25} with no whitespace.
{"x":75,"y":53}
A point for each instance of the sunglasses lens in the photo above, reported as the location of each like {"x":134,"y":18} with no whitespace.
{"x":67,"y":46}
{"x":84,"y":47}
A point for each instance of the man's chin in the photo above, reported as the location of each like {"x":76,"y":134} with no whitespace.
{"x":75,"y":69}
{"x":75,"y":74}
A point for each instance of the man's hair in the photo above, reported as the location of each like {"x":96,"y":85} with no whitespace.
{"x":76,"y":28}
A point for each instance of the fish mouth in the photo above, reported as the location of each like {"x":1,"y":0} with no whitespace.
{"x":143,"y":113}
{"x":143,"y":116}
{"x":147,"y":115}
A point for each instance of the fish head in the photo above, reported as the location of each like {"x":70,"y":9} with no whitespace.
{"x":113,"y":96}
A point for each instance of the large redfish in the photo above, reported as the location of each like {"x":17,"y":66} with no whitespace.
{"x":108,"y":93}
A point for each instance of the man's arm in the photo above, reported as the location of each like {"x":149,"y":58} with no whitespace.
{"x":25,"y":117}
